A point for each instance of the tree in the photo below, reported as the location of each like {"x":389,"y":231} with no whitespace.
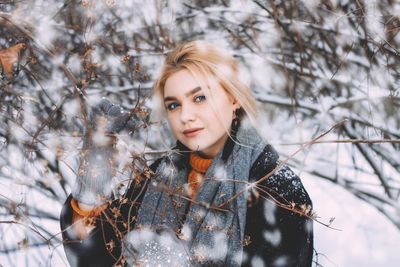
{"x":312,"y":64}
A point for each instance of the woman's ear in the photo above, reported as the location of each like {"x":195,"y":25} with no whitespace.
{"x":236,"y":104}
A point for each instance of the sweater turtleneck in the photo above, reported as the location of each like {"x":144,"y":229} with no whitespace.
{"x":196,"y":175}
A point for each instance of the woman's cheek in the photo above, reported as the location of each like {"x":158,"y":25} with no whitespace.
{"x":175,"y":129}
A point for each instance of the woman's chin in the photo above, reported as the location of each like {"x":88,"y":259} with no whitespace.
{"x":194,"y":147}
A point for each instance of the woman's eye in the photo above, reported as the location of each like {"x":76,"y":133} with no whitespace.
{"x":199,"y":98}
{"x":172,"y":106}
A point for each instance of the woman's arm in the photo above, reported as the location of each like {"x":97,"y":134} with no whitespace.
{"x":79,"y":225}
{"x":94,"y":235}
{"x":274,"y":235}
{"x":90,"y":249}
{"x":277,"y":237}
{"x":99,"y":244}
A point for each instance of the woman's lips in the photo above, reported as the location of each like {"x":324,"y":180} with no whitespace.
{"x":192,"y":132}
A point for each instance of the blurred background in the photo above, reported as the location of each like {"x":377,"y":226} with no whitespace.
{"x":325,"y":74}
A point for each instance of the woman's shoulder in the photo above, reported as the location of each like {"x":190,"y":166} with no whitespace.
{"x":283,"y":183}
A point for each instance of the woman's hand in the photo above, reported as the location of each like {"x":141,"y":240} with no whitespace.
{"x":93,"y":184}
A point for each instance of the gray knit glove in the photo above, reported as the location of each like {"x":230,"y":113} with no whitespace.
{"x":93,"y":185}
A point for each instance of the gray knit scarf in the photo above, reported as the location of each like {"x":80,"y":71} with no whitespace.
{"x":172,"y":230}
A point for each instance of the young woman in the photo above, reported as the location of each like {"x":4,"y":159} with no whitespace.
{"x":221,"y":198}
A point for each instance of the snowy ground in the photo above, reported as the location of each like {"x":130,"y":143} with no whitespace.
{"x":366,"y":238}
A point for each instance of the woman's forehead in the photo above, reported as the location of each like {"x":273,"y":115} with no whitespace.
{"x":181,"y":83}
{"x":184,"y":84}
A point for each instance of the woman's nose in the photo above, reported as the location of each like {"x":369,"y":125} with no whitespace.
{"x":187,"y":114}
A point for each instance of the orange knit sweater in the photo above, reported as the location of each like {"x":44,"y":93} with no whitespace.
{"x":196,"y":175}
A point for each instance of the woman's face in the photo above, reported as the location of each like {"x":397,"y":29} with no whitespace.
{"x":198,"y":119}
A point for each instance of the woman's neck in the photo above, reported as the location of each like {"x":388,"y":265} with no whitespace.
{"x":203,"y":155}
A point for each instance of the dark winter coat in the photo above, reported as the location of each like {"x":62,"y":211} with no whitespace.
{"x":274,"y":236}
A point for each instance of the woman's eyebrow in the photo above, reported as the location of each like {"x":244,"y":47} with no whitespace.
{"x":191,"y":92}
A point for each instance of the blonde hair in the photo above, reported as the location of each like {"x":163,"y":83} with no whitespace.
{"x":205,"y":61}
